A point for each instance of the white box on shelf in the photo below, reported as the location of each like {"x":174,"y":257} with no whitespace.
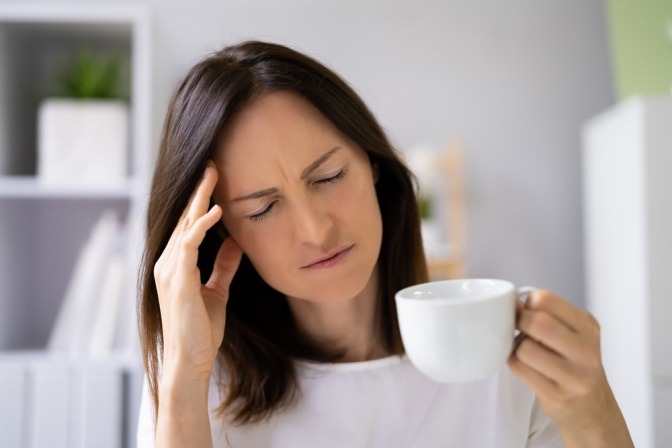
{"x":50,"y":405}
{"x":12,"y":402}
{"x":61,"y":401}
{"x":83,"y":142}
{"x":97,"y":403}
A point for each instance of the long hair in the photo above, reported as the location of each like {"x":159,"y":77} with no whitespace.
{"x":261,"y":339}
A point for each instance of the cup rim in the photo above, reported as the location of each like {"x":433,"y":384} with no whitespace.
{"x":399,"y":295}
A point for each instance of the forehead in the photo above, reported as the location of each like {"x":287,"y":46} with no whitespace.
{"x":278,"y":126}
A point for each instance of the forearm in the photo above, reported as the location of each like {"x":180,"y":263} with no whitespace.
{"x":182,"y":417}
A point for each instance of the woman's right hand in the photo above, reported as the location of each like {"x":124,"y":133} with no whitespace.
{"x":192,"y":314}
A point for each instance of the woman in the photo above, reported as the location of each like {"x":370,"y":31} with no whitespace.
{"x":280,"y":225}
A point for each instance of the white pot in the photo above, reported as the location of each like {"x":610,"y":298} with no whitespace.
{"x":82,"y":142}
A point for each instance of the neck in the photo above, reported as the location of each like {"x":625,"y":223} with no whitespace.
{"x":348,"y":326}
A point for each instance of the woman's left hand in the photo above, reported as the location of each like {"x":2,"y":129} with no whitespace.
{"x":560,"y":360}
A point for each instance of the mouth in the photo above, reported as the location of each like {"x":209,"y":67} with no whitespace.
{"x":330,"y":260}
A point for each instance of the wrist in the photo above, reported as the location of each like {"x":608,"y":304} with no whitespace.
{"x":183,"y":417}
{"x":610,"y":432}
{"x":583,"y":437}
{"x":181,"y":386}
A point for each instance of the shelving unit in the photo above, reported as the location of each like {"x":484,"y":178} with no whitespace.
{"x":27,"y":187}
{"x":451,"y":264}
{"x":42,"y":227}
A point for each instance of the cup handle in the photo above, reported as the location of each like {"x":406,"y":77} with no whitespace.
{"x":523,"y":293}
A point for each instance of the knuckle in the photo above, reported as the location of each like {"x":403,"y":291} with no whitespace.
{"x":186,"y":243}
{"x":593,"y":323}
{"x":583,"y":385}
{"x":190,"y":242}
{"x":158,"y":270}
{"x":557,"y":400}
{"x":187,"y":222}
{"x":541,"y":298}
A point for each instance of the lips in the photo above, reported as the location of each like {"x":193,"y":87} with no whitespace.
{"x":333,"y":255}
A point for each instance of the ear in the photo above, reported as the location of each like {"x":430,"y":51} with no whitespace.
{"x":374,"y":172}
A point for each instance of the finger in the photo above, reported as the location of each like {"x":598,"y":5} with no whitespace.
{"x":193,"y":238}
{"x":540,"y":384}
{"x":200,"y":199}
{"x":520,"y":306}
{"x":188,"y":217}
{"x":225,"y":267}
{"x":517,"y":340}
{"x":561,"y":309}
{"x":544,"y":361}
{"x":547,"y":329}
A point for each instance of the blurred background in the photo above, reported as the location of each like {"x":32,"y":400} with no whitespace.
{"x":511,"y":84}
{"x":513,"y":80}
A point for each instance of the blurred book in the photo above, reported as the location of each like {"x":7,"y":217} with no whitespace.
{"x":89,"y":309}
{"x":107,"y":312}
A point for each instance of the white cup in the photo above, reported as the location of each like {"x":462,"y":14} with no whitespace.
{"x":458,"y":330}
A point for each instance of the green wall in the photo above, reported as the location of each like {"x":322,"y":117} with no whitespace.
{"x":641,"y":42}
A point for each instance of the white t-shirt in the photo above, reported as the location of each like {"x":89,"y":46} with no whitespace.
{"x":386,"y":403}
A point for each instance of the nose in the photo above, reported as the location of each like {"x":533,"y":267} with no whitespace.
{"x":312,"y":222}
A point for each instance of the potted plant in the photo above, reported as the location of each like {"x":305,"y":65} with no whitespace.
{"x":83,"y":128}
{"x":422,"y":160}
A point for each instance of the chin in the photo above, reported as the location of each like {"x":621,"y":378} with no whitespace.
{"x":343,"y":288}
{"x":343,"y":291}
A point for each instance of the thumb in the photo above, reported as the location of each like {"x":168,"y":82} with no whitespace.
{"x":225,"y":267}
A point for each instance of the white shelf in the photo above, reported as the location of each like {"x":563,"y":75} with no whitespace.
{"x":30,"y":187}
{"x":44,"y":226}
{"x":72,"y":14}
{"x":121,"y":360}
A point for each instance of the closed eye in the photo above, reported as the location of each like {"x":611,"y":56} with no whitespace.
{"x":259,"y":216}
{"x":331,"y":180}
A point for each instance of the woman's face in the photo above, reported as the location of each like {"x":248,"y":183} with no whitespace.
{"x":294,"y":191}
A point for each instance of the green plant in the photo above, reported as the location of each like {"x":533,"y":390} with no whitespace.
{"x":425,"y":206}
{"x":92,"y":76}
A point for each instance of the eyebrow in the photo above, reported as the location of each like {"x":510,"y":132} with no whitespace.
{"x":313,"y":166}
{"x":255,"y":195}
{"x":268,"y":191}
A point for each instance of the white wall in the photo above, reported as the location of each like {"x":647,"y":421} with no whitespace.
{"x":513,"y":79}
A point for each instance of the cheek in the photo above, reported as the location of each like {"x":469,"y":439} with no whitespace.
{"x":268,"y":249}
{"x":259,"y":244}
{"x":359,"y":204}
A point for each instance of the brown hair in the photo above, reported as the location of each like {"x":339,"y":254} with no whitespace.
{"x":261,"y":339}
